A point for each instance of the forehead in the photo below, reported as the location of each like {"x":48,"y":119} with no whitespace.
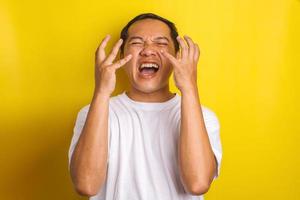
{"x":149,"y":28}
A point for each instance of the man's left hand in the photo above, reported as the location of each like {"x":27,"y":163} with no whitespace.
{"x":185,"y":64}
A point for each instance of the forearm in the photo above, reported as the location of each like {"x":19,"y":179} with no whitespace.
{"x":89,"y":160}
{"x":196,"y":158}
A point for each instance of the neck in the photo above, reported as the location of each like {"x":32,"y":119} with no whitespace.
{"x":160,"y":95}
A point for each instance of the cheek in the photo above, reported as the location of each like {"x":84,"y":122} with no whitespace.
{"x":133,"y":50}
{"x":166,"y":62}
{"x":131,"y":65}
{"x":167,"y":69}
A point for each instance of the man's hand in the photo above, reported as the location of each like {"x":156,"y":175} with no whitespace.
{"x":185,"y":64}
{"x":105,"y":69}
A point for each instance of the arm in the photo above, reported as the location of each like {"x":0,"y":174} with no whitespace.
{"x":89,"y":161}
{"x":196,"y":160}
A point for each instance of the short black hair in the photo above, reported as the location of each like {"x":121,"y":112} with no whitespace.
{"x":171,"y":25}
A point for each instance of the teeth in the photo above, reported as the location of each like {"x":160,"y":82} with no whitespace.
{"x":149,"y":65}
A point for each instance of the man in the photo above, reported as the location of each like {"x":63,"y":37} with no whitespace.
{"x":146,"y":143}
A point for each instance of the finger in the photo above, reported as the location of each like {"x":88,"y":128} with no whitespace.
{"x":184,"y":47}
{"x":113,"y":54}
{"x":122,"y":62}
{"x":100,"y":52}
{"x":197,"y":53}
{"x":191,"y":46}
{"x":171,"y":58}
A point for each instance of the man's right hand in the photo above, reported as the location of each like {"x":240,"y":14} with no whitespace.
{"x":105,"y":69}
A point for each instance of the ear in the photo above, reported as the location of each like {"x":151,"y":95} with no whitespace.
{"x":121,"y":55}
{"x":178,"y":55}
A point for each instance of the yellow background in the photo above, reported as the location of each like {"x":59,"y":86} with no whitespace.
{"x":250,"y":60}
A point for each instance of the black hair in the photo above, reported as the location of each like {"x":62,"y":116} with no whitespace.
{"x":171,"y":25}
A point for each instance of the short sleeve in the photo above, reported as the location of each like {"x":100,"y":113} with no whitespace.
{"x":80,"y":121}
{"x":213,"y":130}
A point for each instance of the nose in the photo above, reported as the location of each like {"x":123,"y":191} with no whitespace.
{"x":148,"y":50}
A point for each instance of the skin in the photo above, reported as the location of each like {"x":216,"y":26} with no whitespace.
{"x":196,"y":160}
{"x":147,"y":46}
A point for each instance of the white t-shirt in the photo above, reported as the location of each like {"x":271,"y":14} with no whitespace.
{"x":142,"y":159}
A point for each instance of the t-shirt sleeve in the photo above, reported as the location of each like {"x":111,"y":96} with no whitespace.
{"x":213,"y":129}
{"x":80,"y":121}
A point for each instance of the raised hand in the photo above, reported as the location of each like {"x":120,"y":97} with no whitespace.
{"x":105,"y":69}
{"x":185,"y":64}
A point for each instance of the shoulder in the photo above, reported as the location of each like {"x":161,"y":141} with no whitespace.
{"x":82,"y":113}
{"x":210,"y":118}
{"x":84,"y":109}
{"x":113,"y":101}
{"x":208,"y":112}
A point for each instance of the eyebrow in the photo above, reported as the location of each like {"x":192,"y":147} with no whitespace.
{"x":161,"y":38}
{"x":157,"y":38}
{"x":134,"y":37}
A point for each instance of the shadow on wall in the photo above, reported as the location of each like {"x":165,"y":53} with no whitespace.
{"x":38,"y":167}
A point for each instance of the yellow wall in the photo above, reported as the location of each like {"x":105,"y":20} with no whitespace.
{"x":248,"y":75}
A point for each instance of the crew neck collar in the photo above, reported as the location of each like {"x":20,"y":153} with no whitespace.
{"x":150,"y":105}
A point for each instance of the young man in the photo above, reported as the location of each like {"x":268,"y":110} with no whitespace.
{"x":146,"y":143}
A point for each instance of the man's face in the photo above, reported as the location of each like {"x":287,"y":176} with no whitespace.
{"x":145,"y":40}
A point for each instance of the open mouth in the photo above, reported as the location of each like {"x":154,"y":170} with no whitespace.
{"x":148,"y":68}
